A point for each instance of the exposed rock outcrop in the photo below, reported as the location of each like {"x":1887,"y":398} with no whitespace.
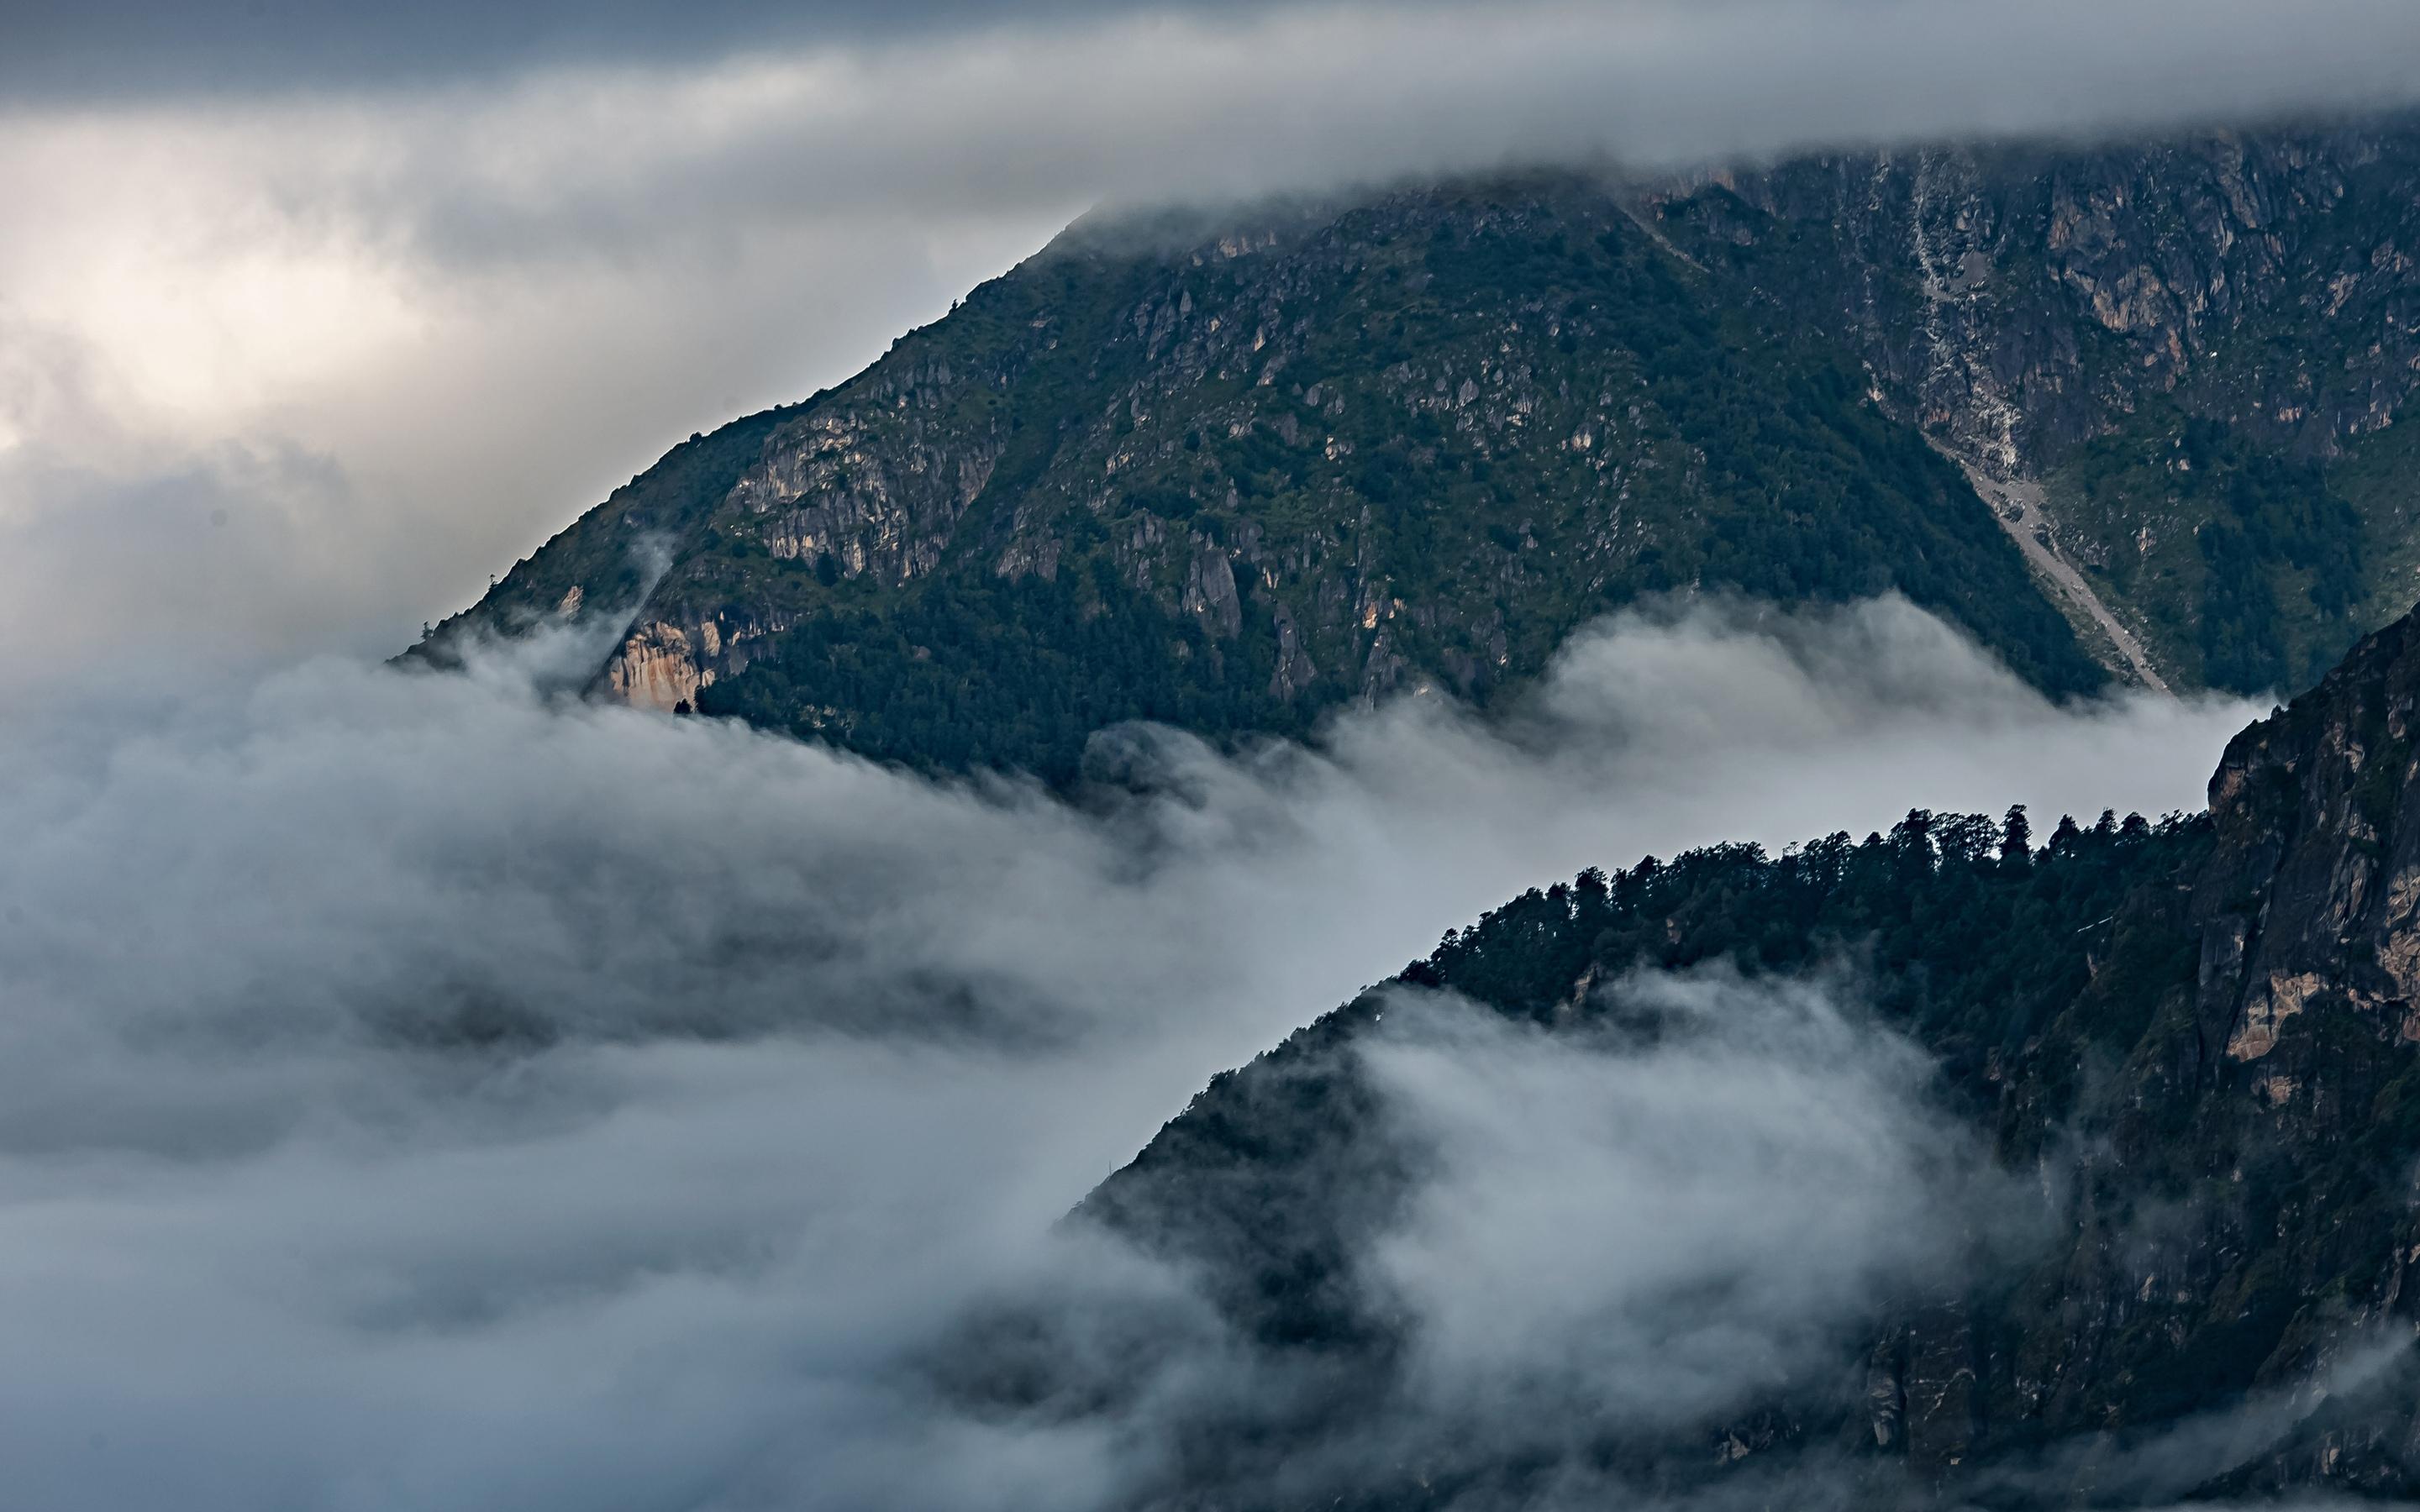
{"x":2027,"y":298}
{"x":661,"y":667}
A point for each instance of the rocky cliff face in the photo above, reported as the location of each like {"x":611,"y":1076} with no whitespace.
{"x":2245,"y":1187}
{"x":2193,"y":1045}
{"x":2053,"y":316}
{"x":2026,"y":300}
{"x":2310,"y":807}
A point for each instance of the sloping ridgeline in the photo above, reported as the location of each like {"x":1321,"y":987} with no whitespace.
{"x":1230,"y":477}
{"x":1233,"y":469}
{"x":2195,"y":1040}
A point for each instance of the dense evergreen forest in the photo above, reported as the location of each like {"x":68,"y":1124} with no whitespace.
{"x":2017,"y":963}
{"x":2187,"y":1041}
{"x":1963,"y":931}
{"x":2254,"y":556}
{"x":1014,"y":676}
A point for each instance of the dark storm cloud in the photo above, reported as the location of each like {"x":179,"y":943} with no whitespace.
{"x":2036,"y":67}
{"x":115,"y":48}
{"x":1211,"y":104}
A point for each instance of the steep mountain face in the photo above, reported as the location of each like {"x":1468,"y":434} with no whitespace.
{"x":2195,"y":1045}
{"x":2029,"y":298}
{"x":1406,"y":444}
{"x":2181,"y":361}
{"x":1230,"y":471}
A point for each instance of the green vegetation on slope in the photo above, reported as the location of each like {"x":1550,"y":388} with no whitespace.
{"x":2247,"y":568}
{"x":1465,"y":423}
{"x":983,"y":673}
{"x":2029,"y":972}
{"x":2192,"y":1040}
{"x":1431,"y":432}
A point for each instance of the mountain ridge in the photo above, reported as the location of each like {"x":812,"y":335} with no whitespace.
{"x":1405,"y":442}
{"x":1400,"y":556}
{"x":2197,"y":1042}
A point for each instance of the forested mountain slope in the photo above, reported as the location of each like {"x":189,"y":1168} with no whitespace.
{"x":2191,"y":1046}
{"x":1230,"y":471}
{"x":2199,"y":346}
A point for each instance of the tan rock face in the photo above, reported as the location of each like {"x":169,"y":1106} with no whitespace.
{"x":2266,"y":1009}
{"x":2313,"y":810}
{"x":657,"y":668}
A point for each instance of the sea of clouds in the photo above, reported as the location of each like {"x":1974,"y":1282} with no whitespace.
{"x":434,"y":1090}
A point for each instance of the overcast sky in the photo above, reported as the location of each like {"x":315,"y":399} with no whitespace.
{"x":311,"y":316}
{"x":314,"y":315}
